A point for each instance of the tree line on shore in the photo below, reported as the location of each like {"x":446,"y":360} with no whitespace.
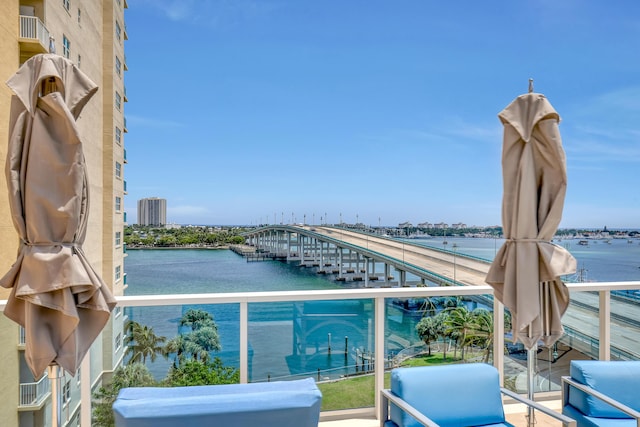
{"x":201,"y":236}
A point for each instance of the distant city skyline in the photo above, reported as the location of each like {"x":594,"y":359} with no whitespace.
{"x":239,"y":111}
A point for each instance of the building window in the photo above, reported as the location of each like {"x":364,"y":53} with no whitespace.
{"x":118,"y":170}
{"x":66,"y":47}
{"x":66,"y":4}
{"x":118,"y":238}
{"x":79,"y":60}
{"x":66,"y":392}
{"x":79,"y":16}
{"x":117,"y":311}
{"x":118,"y":342}
{"x":118,"y":101}
{"x":118,"y":31}
{"x":118,"y":66}
{"x":78,"y":373}
{"x":118,"y":204}
{"x":118,"y":136}
{"x":118,"y":273}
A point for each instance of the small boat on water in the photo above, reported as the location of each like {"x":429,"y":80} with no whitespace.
{"x":583,"y":242}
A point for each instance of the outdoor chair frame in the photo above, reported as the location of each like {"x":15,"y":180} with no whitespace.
{"x":567,"y":382}
{"x":387,"y":397}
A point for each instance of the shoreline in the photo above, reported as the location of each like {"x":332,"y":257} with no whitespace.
{"x":139,"y":247}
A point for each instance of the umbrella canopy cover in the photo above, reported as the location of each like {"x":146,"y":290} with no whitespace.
{"x":56,"y":295}
{"x":525,"y":273}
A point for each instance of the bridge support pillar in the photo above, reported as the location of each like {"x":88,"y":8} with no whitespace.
{"x":387,"y":273}
{"x":366,"y":272}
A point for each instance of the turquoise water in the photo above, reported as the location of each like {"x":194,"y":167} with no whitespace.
{"x":270,"y":330}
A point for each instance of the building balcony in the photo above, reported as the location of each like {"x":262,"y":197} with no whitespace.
{"x":290,"y":343}
{"x":34,"y":395}
{"x":34,"y":36}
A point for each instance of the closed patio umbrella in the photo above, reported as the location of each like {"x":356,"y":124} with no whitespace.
{"x":525,"y":273}
{"x":56,"y":295}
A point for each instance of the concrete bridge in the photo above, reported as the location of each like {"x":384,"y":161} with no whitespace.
{"x":352,"y":255}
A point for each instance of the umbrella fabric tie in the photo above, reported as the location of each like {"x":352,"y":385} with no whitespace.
{"x":74,"y":246}
{"x":509,"y":241}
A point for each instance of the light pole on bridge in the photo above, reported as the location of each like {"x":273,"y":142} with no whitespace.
{"x":454,"y":246}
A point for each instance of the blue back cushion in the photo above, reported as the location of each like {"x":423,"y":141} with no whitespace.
{"x":451,"y":395}
{"x":618,"y":380}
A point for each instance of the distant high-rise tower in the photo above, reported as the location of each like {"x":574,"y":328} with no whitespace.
{"x":152,"y":211}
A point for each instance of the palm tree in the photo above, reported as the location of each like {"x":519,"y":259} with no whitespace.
{"x":196,"y":319}
{"x":428,"y":331}
{"x":198,"y":343}
{"x":142,"y":342}
{"x":483,"y":330}
{"x":201,"y":342}
{"x":445,"y":333}
{"x":460,"y":321}
{"x":175,"y":345}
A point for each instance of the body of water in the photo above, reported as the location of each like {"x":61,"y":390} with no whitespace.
{"x":280,"y":350}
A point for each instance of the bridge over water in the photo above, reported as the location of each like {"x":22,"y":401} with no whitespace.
{"x":354,"y":256}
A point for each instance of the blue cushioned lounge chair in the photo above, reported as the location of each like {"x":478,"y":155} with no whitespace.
{"x":450,"y":396}
{"x":602,"y":393}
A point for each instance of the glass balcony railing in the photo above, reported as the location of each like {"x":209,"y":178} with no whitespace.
{"x":336,"y":336}
{"x":355,"y":336}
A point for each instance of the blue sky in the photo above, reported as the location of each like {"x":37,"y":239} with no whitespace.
{"x":242,"y":111}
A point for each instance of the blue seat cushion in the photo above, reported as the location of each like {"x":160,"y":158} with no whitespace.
{"x":583,"y":420}
{"x":280,"y":403}
{"x":451,"y":395}
{"x":618,"y":380}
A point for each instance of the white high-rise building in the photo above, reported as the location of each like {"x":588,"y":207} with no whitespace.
{"x":152,"y":211}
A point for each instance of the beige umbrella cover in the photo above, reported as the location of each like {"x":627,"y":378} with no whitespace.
{"x":525,"y":273}
{"x":56,"y":295}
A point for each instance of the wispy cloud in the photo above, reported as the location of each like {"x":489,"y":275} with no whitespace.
{"x":619,"y":104}
{"x":607,"y":128}
{"x":215,"y":13}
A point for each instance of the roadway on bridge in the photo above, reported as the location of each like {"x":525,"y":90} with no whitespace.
{"x":454,"y":266}
{"x":581,"y":316}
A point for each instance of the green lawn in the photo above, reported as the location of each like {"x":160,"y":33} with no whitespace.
{"x":358,"y":392}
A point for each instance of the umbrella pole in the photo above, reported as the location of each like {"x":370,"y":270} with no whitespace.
{"x":532,"y":355}
{"x":54,"y":373}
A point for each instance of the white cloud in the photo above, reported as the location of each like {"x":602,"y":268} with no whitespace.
{"x":215,"y":13}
